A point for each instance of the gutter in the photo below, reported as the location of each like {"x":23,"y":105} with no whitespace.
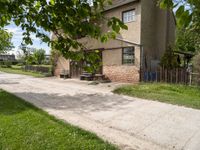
{"x":119,"y":4}
{"x":127,"y":41}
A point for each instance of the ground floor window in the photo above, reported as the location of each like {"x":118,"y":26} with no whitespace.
{"x":128,"y":55}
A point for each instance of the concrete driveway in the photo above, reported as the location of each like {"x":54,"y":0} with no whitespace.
{"x":130,"y":123}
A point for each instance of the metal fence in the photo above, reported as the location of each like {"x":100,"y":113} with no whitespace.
{"x":40,"y":69}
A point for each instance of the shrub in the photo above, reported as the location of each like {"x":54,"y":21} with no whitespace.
{"x":5,"y":64}
{"x":169,"y":60}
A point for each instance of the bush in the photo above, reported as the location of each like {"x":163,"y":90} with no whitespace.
{"x":169,"y":60}
{"x":5,"y":64}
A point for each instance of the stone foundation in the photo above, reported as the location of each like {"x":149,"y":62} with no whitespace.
{"x":128,"y":74}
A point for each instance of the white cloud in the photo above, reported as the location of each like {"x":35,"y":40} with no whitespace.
{"x":18,"y":37}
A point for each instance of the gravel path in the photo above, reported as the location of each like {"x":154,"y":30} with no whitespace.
{"x":130,"y":123}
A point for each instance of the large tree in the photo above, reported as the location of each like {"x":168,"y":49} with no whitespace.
{"x":66,"y":19}
{"x":187,"y":12}
{"x":188,"y":23}
{"x":5,"y":41}
{"x":187,"y":40}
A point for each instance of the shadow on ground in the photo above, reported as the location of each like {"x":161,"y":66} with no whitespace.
{"x":77,"y":102}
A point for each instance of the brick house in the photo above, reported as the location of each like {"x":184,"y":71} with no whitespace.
{"x":150,"y":31}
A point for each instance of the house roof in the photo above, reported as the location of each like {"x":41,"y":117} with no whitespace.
{"x":117,"y":3}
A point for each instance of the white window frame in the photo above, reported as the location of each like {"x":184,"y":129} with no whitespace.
{"x":129,"y":16}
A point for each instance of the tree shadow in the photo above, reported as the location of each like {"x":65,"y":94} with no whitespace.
{"x":78,"y":103}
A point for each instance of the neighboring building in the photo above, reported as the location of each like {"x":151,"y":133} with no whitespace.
{"x":5,"y":57}
{"x":47,"y":59}
{"x":150,"y":31}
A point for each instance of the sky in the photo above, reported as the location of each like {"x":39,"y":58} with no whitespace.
{"x":17,"y":39}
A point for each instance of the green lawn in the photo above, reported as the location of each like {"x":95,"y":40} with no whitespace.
{"x":169,"y":93}
{"x":25,"y":127}
{"x":18,"y":70}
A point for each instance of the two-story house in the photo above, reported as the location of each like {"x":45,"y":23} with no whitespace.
{"x":150,"y":31}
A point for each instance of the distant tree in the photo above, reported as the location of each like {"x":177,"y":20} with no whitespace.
{"x":5,"y":41}
{"x":26,"y":54}
{"x":39,"y":56}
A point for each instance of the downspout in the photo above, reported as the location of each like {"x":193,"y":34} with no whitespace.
{"x":167,"y":29}
{"x":141,"y":61}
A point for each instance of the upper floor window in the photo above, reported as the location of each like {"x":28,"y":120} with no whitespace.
{"x":128,"y":55}
{"x":128,"y":16}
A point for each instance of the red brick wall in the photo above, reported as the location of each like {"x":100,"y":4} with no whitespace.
{"x":129,"y":74}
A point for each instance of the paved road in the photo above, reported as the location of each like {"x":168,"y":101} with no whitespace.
{"x":131,"y":123}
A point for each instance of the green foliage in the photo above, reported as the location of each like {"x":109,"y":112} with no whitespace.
{"x":5,"y":64}
{"x":5,"y":41}
{"x":169,"y":60}
{"x":14,"y":70}
{"x":187,"y":12}
{"x":25,"y":127}
{"x":32,"y":56}
{"x":39,"y":56}
{"x":92,"y":61}
{"x":187,"y":40}
{"x":66,"y":19}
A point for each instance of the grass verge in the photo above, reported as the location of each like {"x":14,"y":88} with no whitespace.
{"x":23,"y":126}
{"x":168,"y":93}
{"x":15,"y":70}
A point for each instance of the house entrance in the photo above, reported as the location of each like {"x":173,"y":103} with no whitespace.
{"x":76,"y":69}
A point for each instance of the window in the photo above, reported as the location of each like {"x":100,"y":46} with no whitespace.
{"x":128,"y":55}
{"x":128,"y":16}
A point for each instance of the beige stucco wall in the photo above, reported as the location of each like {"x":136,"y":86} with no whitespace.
{"x":157,"y":30}
{"x":112,"y":58}
{"x":148,"y":28}
{"x":133,"y":33}
{"x":153,"y":28}
{"x":62,"y":64}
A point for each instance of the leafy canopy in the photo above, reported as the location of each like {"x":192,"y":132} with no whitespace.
{"x":188,"y":23}
{"x":66,"y":19}
{"x":187,"y":12}
{"x":187,"y":40}
{"x":5,"y":41}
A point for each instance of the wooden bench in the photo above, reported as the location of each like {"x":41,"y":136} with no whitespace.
{"x":87,"y":76}
{"x":99,"y":77}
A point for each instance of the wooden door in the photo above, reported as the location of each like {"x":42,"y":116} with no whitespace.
{"x":76,"y":69}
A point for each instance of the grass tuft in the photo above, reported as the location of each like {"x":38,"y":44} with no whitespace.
{"x":17,"y":70}
{"x":168,"y":93}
